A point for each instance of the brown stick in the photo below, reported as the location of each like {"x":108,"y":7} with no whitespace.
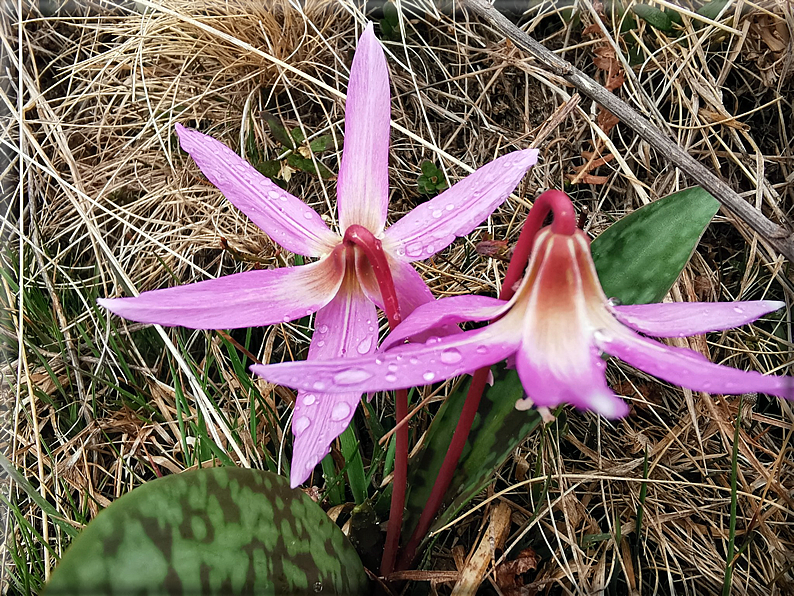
{"x":778,"y":237}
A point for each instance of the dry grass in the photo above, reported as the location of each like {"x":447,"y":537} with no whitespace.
{"x":110,"y":204}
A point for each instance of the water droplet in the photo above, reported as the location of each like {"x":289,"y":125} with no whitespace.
{"x":300,"y":425}
{"x":437,"y":213}
{"x":614,"y":302}
{"x":378,"y":360}
{"x":364,"y":345}
{"x":340,"y":411}
{"x":738,"y":310}
{"x":432,"y":340}
{"x":322,"y":329}
{"x":320,"y":343}
{"x":283,"y":197}
{"x":451,"y":356}
{"x":414,"y":249}
{"x":309,"y":399}
{"x":602,"y":335}
{"x":351,"y":376}
{"x":391,"y":378}
{"x":430,"y":249}
{"x":318,"y":385}
{"x":414,"y":361}
{"x":307,"y":215}
{"x":287,"y":318}
{"x":429,"y":376}
{"x":392,"y":368}
{"x":450,"y":206}
{"x":482,"y":349}
{"x":273,"y":194}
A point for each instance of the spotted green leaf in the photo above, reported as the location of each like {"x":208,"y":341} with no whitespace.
{"x":211,"y":531}
{"x":653,"y":16}
{"x":639,"y":257}
{"x":497,"y":430}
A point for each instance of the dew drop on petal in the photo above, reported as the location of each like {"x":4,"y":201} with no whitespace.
{"x":273,"y":194}
{"x":318,"y":385}
{"x":482,"y":349}
{"x":283,"y":197}
{"x":351,"y":376}
{"x":364,"y":346}
{"x":414,"y":361}
{"x":450,"y":206}
{"x":300,"y":425}
{"x":323,"y":328}
{"x":307,"y":215}
{"x":392,"y":368}
{"x":451,"y":356}
{"x":414,"y":249}
{"x":391,"y":378}
{"x":429,"y":376}
{"x":614,"y":302}
{"x":430,"y":249}
{"x":437,"y":213}
{"x":309,"y":399}
{"x":320,"y":343}
{"x":737,"y":310}
{"x":340,"y":411}
{"x":378,"y":360}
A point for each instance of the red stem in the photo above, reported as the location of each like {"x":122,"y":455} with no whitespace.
{"x":373,"y":249}
{"x":564,"y":223}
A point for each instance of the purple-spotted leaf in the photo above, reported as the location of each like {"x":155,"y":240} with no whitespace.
{"x":211,"y":531}
{"x":497,"y":430}
{"x":639,"y":257}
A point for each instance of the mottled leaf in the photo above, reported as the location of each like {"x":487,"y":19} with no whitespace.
{"x":278,"y":130}
{"x":211,"y":531}
{"x":711,"y":10}
{"x":639,"y":258}
{"x":497,"y":430}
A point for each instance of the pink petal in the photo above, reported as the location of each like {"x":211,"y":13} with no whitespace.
{"x":347,"y":326}
{"x":678,"y":319}
{"x":433,"y":226}
{"x":363,"y":186}
{"x":443,"y":313}
{"x":285,"y":218}
{"x":406,"y":366}
{"x":579,"y":381}
{"x":250,"y":299}
{"x":687,"y":368}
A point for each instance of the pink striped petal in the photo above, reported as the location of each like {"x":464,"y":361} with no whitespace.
{"x":442,"y":314}
{"x":347,"y":326}
{"x":250,"y":299}
{"x":363,"y":186}
{"x":285,"y":218}
{"x":687,"y":368}
{"x":433,"y":226}
{"x":679,"y":319}
{"x":406,"y":366}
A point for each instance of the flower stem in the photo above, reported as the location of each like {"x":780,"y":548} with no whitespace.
{"x":564,"y":223}
{"x":372,"y":248}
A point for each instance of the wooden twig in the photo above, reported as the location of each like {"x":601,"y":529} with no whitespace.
{"x":778,"y":237}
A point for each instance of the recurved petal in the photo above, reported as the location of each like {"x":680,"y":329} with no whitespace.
{"x":442,"y":314}
{"x":250,"y":299}
{"x":433,"y":226}
{"x":285,"y":218}
{"x":679,"y":319}
{"x":363,"y":185}
{"x":687,"y":368}
{"x":346,"y":326}
{"x":410,"y":365}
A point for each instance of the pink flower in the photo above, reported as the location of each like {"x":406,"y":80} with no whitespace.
{"x":556,"y":327}
{"x":340,"y":287}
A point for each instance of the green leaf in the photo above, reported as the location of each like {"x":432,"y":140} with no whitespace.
{"x":322,"y":143}
{"x":497,"y":430}
{"x":297,"y":136}
{"x":639,"y":258}
{"x":278,"y":131}
{"x":307,"y":165}
{"x":711,"y":10}
{"x":653,"y":16}
{"x":211,"y":531}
